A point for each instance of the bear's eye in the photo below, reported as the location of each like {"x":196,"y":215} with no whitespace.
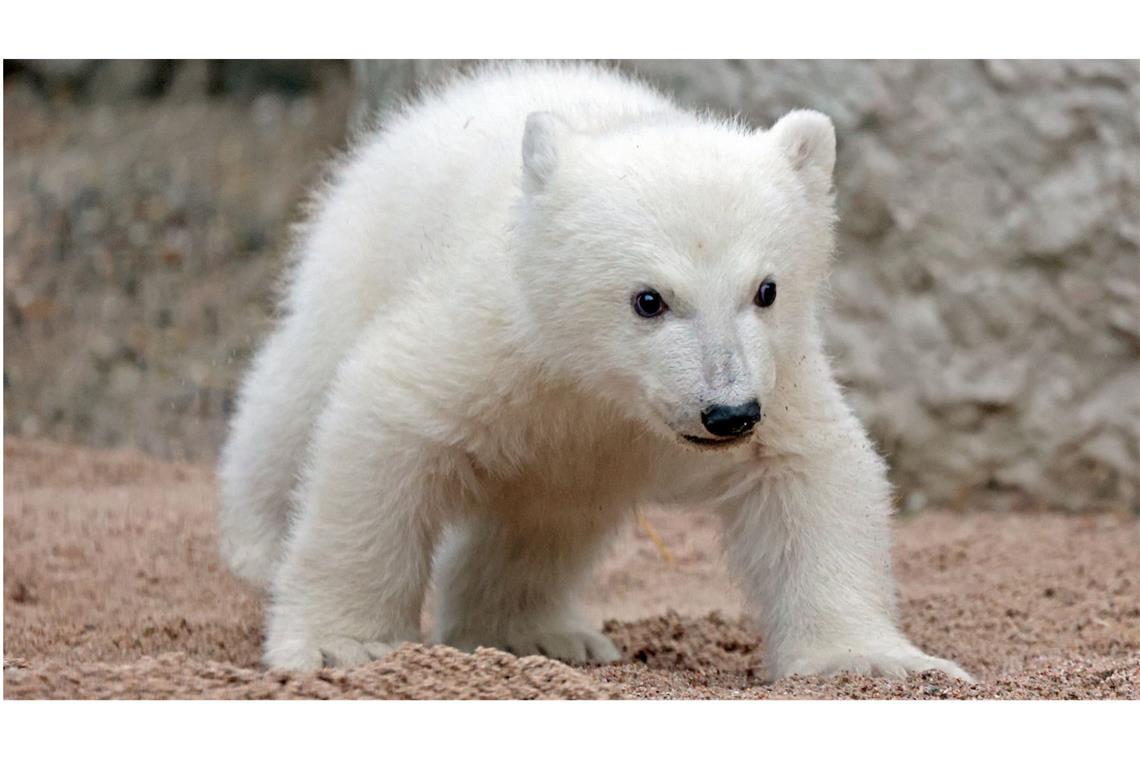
{"x":766,"y":294}
{"x":649,"y":304}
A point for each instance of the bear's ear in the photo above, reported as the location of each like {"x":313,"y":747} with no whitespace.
{"x":544,"y":131}
{"x":807,"y":140}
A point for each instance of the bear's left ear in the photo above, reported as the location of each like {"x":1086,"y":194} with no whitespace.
{"x":807,"y":140}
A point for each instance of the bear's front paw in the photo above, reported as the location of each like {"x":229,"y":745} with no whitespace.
{"x":894,"y":662}
{"x":326,"y":652}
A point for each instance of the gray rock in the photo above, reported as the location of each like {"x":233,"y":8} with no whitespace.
{"x":123,"y":80}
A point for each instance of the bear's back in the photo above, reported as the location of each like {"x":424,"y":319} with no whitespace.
{"x":436,"y":181}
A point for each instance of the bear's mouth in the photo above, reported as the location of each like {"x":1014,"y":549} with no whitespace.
{"x":715,"y":443}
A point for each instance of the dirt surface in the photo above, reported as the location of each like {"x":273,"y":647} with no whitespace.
{"x":113,"y":588}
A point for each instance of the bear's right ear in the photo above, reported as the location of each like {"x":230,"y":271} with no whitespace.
{"x":807,"y":140}
{"x":544,"y":132}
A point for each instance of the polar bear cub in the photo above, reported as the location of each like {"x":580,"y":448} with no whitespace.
{"x":534,"y":300}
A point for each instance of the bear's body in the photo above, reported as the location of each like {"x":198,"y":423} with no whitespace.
{"x":468,"y":368}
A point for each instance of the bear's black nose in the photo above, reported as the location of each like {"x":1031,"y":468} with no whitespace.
{"x":731,"y":421}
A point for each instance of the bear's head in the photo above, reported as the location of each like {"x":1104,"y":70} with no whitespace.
{"x":672,"y":265}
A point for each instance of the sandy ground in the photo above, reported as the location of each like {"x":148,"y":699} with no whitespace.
{"x":113,"y":588}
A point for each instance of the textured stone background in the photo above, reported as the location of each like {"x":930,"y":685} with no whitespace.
{"x":986,"y":299}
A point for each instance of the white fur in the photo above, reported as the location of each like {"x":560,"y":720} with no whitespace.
{"x":459,"y":374}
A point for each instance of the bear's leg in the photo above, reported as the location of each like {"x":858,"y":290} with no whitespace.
{"x":511,"y":586}
{"x":261,"y":461}
{"x":351,"y":585}
{"x":812,"y":548}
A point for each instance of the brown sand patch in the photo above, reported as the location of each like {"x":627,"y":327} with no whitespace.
{"x":412,"y":672}
{"x":113,"y":588}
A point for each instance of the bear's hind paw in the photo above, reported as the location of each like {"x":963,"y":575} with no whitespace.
{"x":330,"y":652}
{"x":578,"y":647}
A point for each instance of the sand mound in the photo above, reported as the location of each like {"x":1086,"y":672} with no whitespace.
{"x":113,"y":588}
{"x":672,"y":642}
{"x":412,"y":672}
